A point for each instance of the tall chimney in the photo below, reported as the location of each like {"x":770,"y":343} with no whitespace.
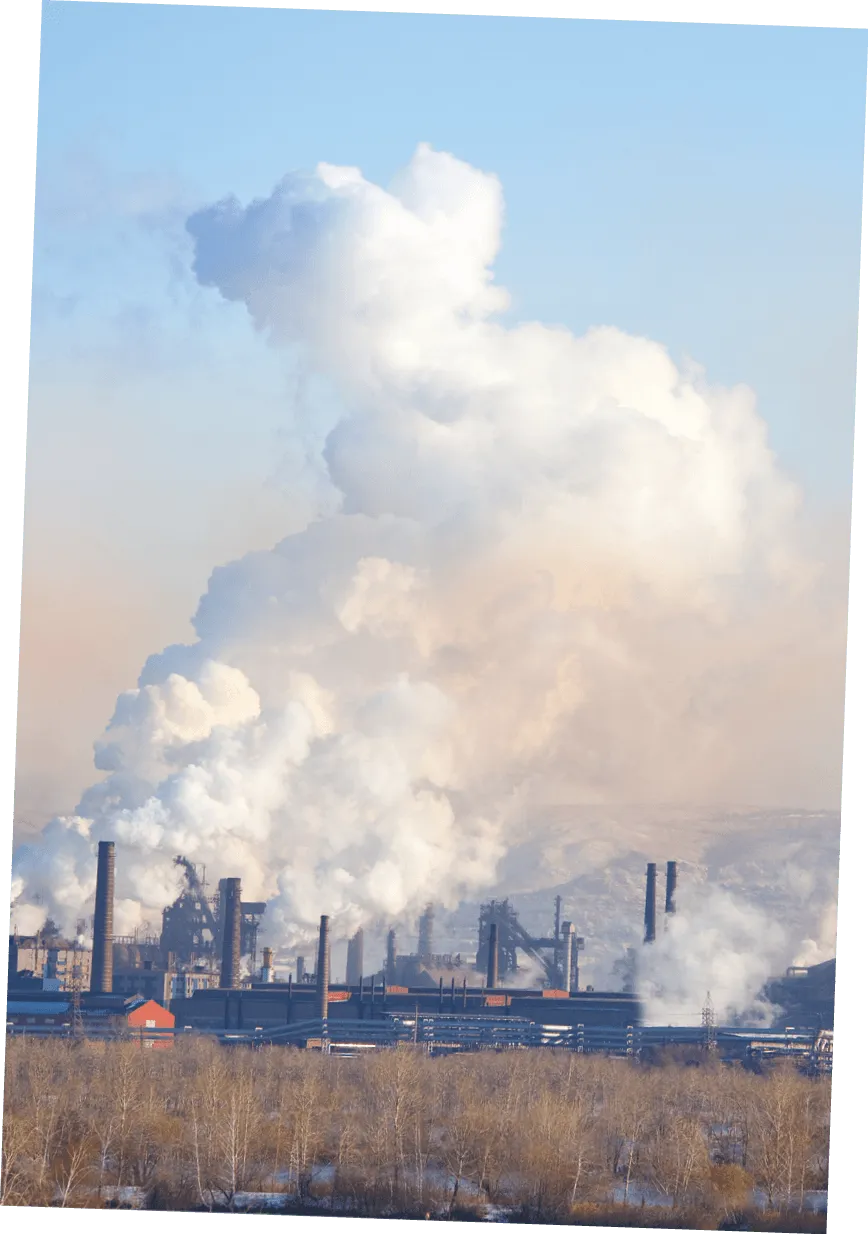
{"x":230,"y":969}
{"x":391,"y":958}
{"x":651,"y":903}
{"x":299,"y":969}
{"x":103,"y":920}
{"x":322,"y":969}
{"x":671,"y":879}
{"x":355,"y":957}
{"x":492,"y":957}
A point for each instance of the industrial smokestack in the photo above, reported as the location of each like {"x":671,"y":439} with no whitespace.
{"x":322,"y":969}
{"x":355,"y":957}
{"x":391,"y":958}
{"x":651,"y":903}
{"x":492,"y":956}
{"x":299,"y":969}
{"x":230,"y":969}
{"x":103,"y":920}
{"x":671,"y":879}
{"x":426,"y":932}
{"x":267,"y":971}
{"x":570,"y":954}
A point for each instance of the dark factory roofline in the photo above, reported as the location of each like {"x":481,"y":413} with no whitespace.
{"x":303,"y":990}
{"x":48,"y":1000}
{"x":32,"y":1006}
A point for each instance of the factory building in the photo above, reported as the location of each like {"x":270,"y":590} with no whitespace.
{"x":269,"y":1006}
{"x":151,"y":980}
{"x":201,"y":974}
{"x":805,"y":996}
{"x":49,"y":957}
{"x":274,"y":1004}
{"x":112,"y":1015}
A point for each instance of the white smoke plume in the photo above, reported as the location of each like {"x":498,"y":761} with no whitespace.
{"x":718,"y":946}
{"x":537,"y":566}
{"x":817,"y":950}
{"x":715,"y":945}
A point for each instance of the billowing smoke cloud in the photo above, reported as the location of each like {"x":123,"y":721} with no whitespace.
{"x":816,"y":950}
{"x":537,"y":567}
{"x":722,"y":947}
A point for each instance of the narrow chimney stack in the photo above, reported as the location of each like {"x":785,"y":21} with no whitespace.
{"x":230,"y":970}
{"x":671,"y":879}
{"x":493,"y":974}
{"x":322,"y":969}
{"x":651,"y":903}
{"x":103,"y":920}
{"x":391,"y":957}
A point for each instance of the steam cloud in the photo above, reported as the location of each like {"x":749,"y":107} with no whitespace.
{"x":716,"y":942}
{"x":536,"y":566}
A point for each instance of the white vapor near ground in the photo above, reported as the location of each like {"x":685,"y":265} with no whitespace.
{"x":716,"y":942}
{"x":538,"y":568}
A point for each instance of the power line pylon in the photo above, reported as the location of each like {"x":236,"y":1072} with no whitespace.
{"x":76,"y":983}
{"x":709,"y":1023}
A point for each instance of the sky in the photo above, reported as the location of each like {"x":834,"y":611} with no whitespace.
{"x":700,"y":186}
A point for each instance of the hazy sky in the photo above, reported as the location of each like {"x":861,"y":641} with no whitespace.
{"x":700,"y":186}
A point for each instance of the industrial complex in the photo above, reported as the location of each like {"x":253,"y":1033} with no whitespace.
{"x":205,"y":973}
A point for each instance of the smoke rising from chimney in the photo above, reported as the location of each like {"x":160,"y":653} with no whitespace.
{"x":539,"y":564}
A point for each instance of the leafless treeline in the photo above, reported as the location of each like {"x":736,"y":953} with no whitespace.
{"x":538,"y":1133}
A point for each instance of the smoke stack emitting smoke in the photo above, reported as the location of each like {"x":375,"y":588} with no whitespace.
{"x":534,"y":563}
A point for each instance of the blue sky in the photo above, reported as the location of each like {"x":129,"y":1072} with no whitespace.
{"x":699,"y":185}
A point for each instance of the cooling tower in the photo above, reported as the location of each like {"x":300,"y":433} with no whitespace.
{"x":103,"y":920}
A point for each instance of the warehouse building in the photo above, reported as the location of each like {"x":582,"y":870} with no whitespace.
{"x":140,"y":1019}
